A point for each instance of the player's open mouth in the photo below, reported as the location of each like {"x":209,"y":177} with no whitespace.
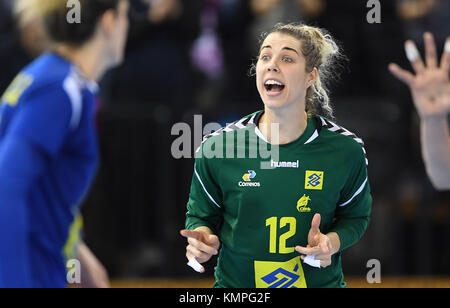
{"x":274,"y":86}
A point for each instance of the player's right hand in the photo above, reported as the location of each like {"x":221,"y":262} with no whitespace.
{"x":202,"y":245}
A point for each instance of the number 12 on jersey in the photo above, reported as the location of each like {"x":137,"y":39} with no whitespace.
{"x":272,"y":223}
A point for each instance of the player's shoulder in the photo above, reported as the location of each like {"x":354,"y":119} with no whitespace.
{"x":244,"y":123}
{"x":37,"y":80}
{"x":50,"y":82}
{"x":50,"y":73}
{"x":49,"y":70}
{"x":340,"y":137}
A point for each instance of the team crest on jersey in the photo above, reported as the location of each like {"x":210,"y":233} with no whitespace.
{"x":302,"y":204}
{"x":16,"y":89}
{"x":279,"y":274}
{"x":314,"y":180}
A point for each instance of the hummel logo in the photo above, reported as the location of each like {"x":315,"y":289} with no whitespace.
{"x":284,"y":164}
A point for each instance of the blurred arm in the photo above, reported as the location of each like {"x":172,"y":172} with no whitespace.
{"x":260,"y":7}
{"x":20,"y":165}
{"x":415,"y":9}
{"x":311,"y":8}
{"x":34,"y":136}
{"x":436,"y":150}
{"x":93,"y":273}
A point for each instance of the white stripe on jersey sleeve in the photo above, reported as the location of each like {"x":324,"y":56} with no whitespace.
{"x":360,"y":189}
{"x":72,"y":89}
{"x":200,"y":180}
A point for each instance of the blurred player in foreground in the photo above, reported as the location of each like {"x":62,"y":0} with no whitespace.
{"x":48,"y":145}
{"x":283,"y":225}
{"x":430,"y":89}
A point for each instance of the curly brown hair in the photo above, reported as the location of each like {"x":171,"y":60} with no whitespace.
{"x":321,"y":51}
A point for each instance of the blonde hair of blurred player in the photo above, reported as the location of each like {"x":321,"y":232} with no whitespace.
{"x":95,"y":44}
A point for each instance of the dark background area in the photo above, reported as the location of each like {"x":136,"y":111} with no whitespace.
{"x":196,"y":60}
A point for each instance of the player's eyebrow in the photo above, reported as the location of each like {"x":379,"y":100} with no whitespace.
{"x":284,"y":48}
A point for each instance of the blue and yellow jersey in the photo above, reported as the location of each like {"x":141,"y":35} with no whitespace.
{"x":48,"y":159}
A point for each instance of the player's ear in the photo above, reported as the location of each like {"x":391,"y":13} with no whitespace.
{"x":108,"y":21}
{"x":312,"y":77}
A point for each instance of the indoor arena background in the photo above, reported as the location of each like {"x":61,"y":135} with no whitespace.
{"x":194,"y":59}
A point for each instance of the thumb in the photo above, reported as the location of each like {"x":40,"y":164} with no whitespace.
{"x":212,"y":240}
{"x":315,"y":223}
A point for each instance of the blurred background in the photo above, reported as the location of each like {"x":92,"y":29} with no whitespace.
{"x":187,"y":57}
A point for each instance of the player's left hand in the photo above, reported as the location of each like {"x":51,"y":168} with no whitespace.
{"x":430,"y":85}
{"x":319,"y":244}
{"x":93,"y":273}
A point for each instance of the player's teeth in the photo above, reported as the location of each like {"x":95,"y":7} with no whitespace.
{"x":273,"y":82}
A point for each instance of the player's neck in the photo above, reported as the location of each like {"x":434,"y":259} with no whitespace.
{"x":88,"y":59}
{"x":291,"y":125}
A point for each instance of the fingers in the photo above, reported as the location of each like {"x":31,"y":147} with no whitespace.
{"x":315,"y":223}
{"x":202,"y":246}
{"x":413,"y":56}
{"x":401,"y":74}
{"x":196,"y":266}
{"x":321,"y":257}
{"x":192,"y":234}
{"x":192,"y":251}
{"x":325,"y":263}
{"x":198,"y":249}
{"x":430,"y":50}
{"x":213,"y":241}
{"x":445,"y":60}
{"x":321,"y":252}
{"x":323,"y":260}
{"x":206,"y":243}
{"x":309,"y":250}
{"x":322,"y":248}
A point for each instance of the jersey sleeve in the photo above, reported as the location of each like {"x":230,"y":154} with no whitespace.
{"x":204,"y":207}
{"x":36,"y":133}
{"x":44,"y":119}
{"x":355,"y":204}
{"x":20,"y":164}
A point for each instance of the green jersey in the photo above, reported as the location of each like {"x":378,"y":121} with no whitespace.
{"x":261,"y":207}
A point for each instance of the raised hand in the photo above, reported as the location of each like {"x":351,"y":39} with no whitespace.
{"x":430,"y":86}
{"x":319,"y":244}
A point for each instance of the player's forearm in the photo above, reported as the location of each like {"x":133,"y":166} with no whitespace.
{"x":436,"y":150}
{"x":349,"y":230}
{"x":14,"y":263}
{"x":20,"y":164}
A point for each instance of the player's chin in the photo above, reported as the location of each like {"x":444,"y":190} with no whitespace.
{"x":119,"y":59}
{"x":274,"y":104}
